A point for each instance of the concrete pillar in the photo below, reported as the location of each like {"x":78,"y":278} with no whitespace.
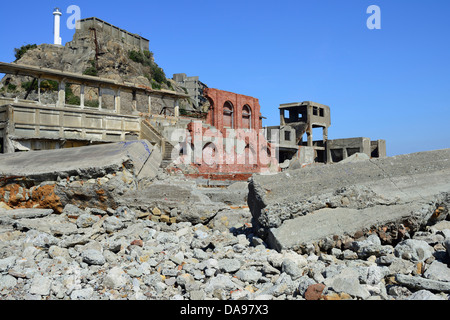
{"x":344,"y":153}
{"x":82,"y":96}
{"x":117,"y":101}
{"x":325,"y":134}
{"x":177,"y":108}
{"x":149,"y":104}
{"x":382,"y":148}
{"x":62,"y":94}
{"x":310,"y":136}
{"x":39,"y":90}
{"x":282,"y":120}
{"x":134,"y":103}
{"x":100,"y":100}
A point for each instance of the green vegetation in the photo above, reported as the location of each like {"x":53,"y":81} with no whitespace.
{"x":71,"y":98}
{"x":46,"y":85}
{"x":158,"y":73}
{"x":92,"y":70}
{"x":143,"y":57}
{"x":74,"y":100}
{"x":12,"y":87}
{"x":49,"y":85}
{"x":19,"y":52}
{"x":146,"y":59}
{"x":156,"y":85}
{"x":92,"y":104}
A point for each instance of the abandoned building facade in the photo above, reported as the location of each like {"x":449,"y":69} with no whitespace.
{"x":232,"y":137}
{"x":296,"y":139}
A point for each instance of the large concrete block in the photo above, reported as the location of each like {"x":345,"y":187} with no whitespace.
{"x":90,"y":161}
{"x":308,"y":205}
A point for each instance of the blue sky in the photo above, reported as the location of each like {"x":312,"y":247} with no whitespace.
{"x":391,"y":84}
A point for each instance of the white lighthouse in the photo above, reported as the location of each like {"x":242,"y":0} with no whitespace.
{"x":57,"y":27}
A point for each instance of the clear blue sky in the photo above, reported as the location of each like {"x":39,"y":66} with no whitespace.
{"x":391,"y":84}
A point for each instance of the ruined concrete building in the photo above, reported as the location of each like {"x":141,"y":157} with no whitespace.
{"x":300,"y":119}
{"x":86,"y":26}
{"x":220,"y":135}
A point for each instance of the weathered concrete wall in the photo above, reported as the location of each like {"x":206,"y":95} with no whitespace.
{"x":135,"y":40}
{"x":316,"y":203}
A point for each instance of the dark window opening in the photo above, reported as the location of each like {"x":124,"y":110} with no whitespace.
{"x":322,"y":112}
{"x":352,"y":151}
{"x":287,"y":136}
{"x":315,"y":111}
{"x":337,"y":155}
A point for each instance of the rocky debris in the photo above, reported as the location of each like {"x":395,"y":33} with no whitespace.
{"x":121,"y":254}
{"x":164,"y":238}
{"x":330,"y":204}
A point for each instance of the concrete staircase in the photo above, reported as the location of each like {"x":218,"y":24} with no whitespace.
{"x":150,"y":133}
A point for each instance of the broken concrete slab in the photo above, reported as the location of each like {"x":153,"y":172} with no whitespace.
{"x":178,"y":199}
{"x":91,"y":161}
{"x":311,"y":204}
{"x":25,"y":213}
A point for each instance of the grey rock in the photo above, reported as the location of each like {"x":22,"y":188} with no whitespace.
{"x":414,"y":250}
{"x":375,"y":274}
{"x":55,"y":251}
{"x":418,"y":283}
{"x":347,"y":281}
{"x":93,"y":257}
{"x":71,"y":210}
{"x":41,"y":239}
{"x":7,"y":263}
{"x":283,"y":285}
{"x":371,"y":246}
{"x":41,"y":285}
{"x":221,"y":282}
{"x":200,"y":254}
{"x":82,"y":294}
{"x":125,"y":213}
{"x":7,"y":282}
{"x":165,"y":237}
{"x":399,"y":265}
{"x":291,"y":268}
{"x":197,"y":295}
{"x":185,"y":280}
{"x":250,"y":276}
{"x":424,"y":295}
{"x":229,"y":265}
{"x":87,"y":220}
{"x":304,"y":283}
{"x":112,"y":224}
{"x":116,"y":278}
{"x":438,"y":271}
{"x":349,"y":255}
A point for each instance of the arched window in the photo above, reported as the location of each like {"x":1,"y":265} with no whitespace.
{"x":246,"y":117}
{"x":228,"y":111}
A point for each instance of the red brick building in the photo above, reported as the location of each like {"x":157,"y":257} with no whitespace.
{"x":233,"y":111}
{"x":231,"y":138}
